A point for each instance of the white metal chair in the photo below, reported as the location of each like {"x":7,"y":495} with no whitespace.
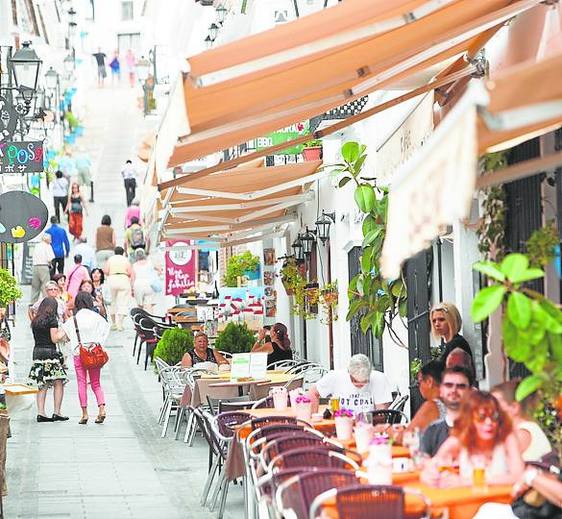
{"x":173,"y":391}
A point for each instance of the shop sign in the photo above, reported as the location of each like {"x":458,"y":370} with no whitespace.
{"x":21,"y":157}
{"x":181,"y":267}
{"x":286,"y":134}
{"x":22,"y":216}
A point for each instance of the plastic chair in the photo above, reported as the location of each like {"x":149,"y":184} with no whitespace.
{"x":263,"y":403}
{"x":294,"y":440}
{"x":226,"y":405}
{"x":299,"y":491}
{"x":173,"y":386}
{"x":298,"y":368}
{"x":360,"y":501}
{"x":318,"y":457}
{"x":215,"y":404}
{"x":257,"y":423}
{"x":399,"y":403}
{"x":283,"y":364}
{"x":389,"y":416}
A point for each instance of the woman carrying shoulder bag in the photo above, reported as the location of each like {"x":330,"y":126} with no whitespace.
{"x":86,"y":329}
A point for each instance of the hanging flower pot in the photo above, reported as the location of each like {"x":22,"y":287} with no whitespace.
{"x":312,"y":154}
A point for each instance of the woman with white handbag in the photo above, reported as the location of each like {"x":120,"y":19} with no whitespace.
{"x":86,"y":331}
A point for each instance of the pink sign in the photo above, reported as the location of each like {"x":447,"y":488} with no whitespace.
{"x":181,"y":267}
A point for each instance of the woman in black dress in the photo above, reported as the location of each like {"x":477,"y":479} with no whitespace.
{"x":446,"y":323}
{"x":48,"y":369}
{"x":278,"y":347}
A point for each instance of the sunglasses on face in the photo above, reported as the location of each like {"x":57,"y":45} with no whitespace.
{"x":451,"y":385}
{"x":480,"y":416}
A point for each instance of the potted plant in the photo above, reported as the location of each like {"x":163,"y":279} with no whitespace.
{"x":238,"y":265}
{"x":291,"y":276}
{"x":235,"y":338}
{"x":173,"y":345}
{"x":344,"y":423}
{"x":328,"y":300}
{"x":312,"y":150}
{"x":9,"y":289}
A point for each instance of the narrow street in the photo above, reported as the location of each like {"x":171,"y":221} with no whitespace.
{"x":121,"y":469}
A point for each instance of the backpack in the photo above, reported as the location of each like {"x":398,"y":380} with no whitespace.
{"x":137,"y":237}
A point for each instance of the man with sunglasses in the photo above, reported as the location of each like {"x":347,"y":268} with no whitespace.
{"x":455,"y":385}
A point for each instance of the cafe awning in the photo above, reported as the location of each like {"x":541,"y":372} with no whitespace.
{"x":270,"y":80}
{"x":238,"y":203}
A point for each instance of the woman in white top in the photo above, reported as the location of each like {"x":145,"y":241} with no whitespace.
{"x":93,"y":329}
{"x":120,"y":278}
{"x":482,"y":437}
{"x":533,"y":442}
{"x":144,"y":273}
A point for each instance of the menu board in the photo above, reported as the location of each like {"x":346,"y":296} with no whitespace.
{"x":245,"y":365}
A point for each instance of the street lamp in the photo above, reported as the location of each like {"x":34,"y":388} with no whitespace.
{"x":297,"y":248}
{"x":221,"y":13}
{"x":143,"y":68}
{"x":25,"y":65}
{"x":213,"y":31}
{"x":323,"y":226}
{"x":308,"y":240}
{"x":68,"y":64}
{"x":208,"y":42}
{"x":51,"y":78}
{"x":72,"y":22}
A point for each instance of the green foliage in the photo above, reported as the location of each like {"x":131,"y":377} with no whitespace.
{"x":415,"y":367}
{"x":532,"y":324}
{"x":173,"y":344}
{"x":314,"y":143}
{"x":491,"y":229}
{"x":295,"y":284}
{"x":376,"y":300}
{"x":235,"y":338}
{"x":9,"y":289}
{"x":540,"y":246}
{"x":237,"y":265}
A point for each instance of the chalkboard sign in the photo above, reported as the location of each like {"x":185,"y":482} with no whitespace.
{"x":22,"y":216}
{"x":27,"y":263}
{"x":21,"y":157}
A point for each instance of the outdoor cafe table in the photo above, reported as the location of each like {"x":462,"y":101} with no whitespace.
{"x":454,"y":503}
{"x":222,"y":380}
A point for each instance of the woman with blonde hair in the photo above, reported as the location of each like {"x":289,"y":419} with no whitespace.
{"x":446,"y":323}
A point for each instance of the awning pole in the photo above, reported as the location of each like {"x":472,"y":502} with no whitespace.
{"x":321,"y":133}
{"x":519,"y":171}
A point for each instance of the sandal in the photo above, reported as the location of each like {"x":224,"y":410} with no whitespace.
{"x":83,"y":421}
{"x":100,"y":418}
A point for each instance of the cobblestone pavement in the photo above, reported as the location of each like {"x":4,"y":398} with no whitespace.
{"x":122,"y":468}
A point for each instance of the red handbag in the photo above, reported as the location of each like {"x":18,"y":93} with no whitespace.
{"x":94,"y":356}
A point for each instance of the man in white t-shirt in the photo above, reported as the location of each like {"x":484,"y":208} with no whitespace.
{"x":360,"y":388}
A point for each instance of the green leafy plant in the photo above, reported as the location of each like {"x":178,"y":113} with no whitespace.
{"x":375,"y":299}
{"x":540,"y":246}
{"x":314,"y":143}
{"x":9,"y":289}
{"x":235,"y":338}
{"x":173,"y":345}
{"x":415,"y":366}
{"x":237,"y":265}
{"x":328,"y":301}
{"x":532,"y":324}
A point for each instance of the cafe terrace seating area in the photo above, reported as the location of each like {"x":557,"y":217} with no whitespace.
{"x":290,"y":463}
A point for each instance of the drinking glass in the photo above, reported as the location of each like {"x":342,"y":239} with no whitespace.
{"x":334,"y":404}
{"x":478,"y":472}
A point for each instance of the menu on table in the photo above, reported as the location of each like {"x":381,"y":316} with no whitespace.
{"x":245,"y":365}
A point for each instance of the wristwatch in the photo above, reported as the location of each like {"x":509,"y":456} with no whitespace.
{"x":529,"y":476}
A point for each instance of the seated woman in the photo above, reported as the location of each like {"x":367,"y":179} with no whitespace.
{"x":483,"y":437}
{"x":202,"y":353}
{"x":446,"y":323}
{"x":278,"y":347}
{"x":533,"y":443}
{"x":429,"y":380}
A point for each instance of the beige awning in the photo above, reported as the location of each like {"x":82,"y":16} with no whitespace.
{"x":238,"y":203}
{"x":232,"y":96}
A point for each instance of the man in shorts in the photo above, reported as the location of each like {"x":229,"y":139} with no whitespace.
{"x":100,"y":60}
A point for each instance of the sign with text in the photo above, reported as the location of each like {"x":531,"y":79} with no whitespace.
{"x":245,"y":365}
{"x":181,"y":267}
{"x":21,"y":157}
{"x":258,"y":365}
{"x":285,"y":134}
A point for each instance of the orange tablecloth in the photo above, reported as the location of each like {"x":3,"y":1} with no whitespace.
{"x":459,"y":502}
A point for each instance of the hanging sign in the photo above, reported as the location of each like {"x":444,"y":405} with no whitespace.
{"x":22,"y":216}
{"x":21,"y":157}
{"x":181,"y":267}
{"x":285,"y":134}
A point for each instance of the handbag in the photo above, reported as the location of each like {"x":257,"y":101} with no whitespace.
{"x":94,"y":356}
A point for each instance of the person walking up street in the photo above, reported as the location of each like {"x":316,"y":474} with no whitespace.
{"x":121,"y":279}
{"x":60,"y":193}
{"x":134,"y":239}
{"x":129,"y":175}
{"x":87,"y":252}
{"x":105,"y":241}
{"x":100,"y":60}
{"x":76,"y":208}
{"x":144,"y":276}
{"x":133,"y":211}
{"x":130,"y":64}
{"x":76,"y":275}
{"x":42,"y":257}
{"x":92,"y":329}
{"x":59,"y":243}
{"x":115,"y":67}
{"x":48,"y":368}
